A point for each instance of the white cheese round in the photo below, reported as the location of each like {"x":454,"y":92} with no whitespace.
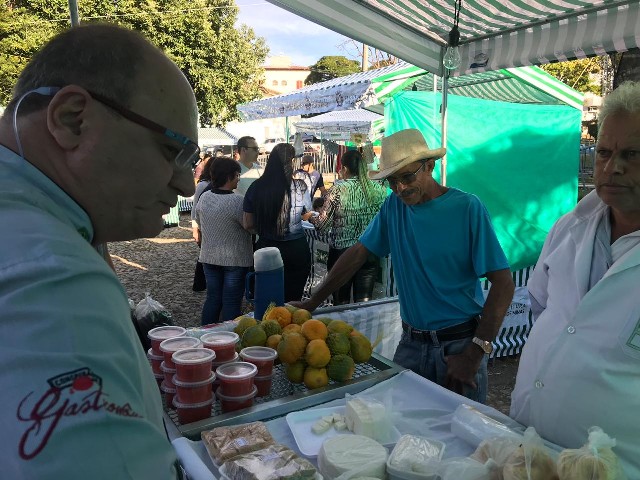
{"x":357,"y":453}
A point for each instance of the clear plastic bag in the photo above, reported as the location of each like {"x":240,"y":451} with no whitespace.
{"x":530,"y":461}
{"x":498,"y":449}
{"x":467,"y":469}
{"x":149,"y":314}
{"x":379,"y":424}
{"x":593,"y":461}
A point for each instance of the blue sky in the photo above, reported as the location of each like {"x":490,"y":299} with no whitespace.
{"x":287,"y":34}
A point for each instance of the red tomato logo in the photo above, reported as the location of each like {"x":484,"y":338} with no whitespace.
{"x":82,"y":383}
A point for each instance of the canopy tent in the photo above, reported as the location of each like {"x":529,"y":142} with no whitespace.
{"x":215,"y":136}
{"x":344,"y":93}
{"x":339,"y":125}
{"x":494,"y":34}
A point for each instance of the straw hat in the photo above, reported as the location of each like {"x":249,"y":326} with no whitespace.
{"x":401,"y":149}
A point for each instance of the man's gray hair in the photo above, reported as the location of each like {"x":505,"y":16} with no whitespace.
{"x":625,"y":98}
{"x":104,"y":58}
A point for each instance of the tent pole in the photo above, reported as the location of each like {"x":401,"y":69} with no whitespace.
{"x":73,"y":13}
{"x":286,"y":129}
{"x":443,"y":143}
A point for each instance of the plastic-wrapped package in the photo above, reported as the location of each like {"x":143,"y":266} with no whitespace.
{"x":224,"y":443}
{"x":369,"y":417}
{"x":276,"y":462}
{"x":473,"y":426}
{"x":352,"y":453}
{"x":149,"y":314}
{"x":594,"y":461}
{"x":466,"y":469}
{"x":530,"y":461}
{"x":498,"y":449}
{"x":414,"y":453}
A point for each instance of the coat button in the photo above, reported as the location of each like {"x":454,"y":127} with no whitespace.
{"x":539,"y":384}
{"x":571,"y":329}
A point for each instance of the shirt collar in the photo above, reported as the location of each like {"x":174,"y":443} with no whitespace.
{"x":19,"y":177}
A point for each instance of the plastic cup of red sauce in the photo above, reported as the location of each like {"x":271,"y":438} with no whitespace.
{"x":168,"y":374}
{"x":261,"y":357}
{"x":223,"y":343}
{"x":155,"y":361}
{"x":169,"y":392}
{"x":195,"y":392}
{"x":192,"y":412}
{"x":159,"y":378}
{"x":172,"y":345}
{"x":236,"y":378}
{"x":193,"y":364}
{"x":159,"y":334}
{"x":216,"y":365}
{"x":263,"y":385}
{"x":230,"y":404}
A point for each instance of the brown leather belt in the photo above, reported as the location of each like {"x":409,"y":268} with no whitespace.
{"x":456,"y":332}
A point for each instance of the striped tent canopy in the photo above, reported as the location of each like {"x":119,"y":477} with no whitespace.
{"x":494,"y":34}
{"x":358,"y":90}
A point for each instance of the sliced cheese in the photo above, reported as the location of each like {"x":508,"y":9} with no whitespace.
{"x":352,"y":453}
{"x":320,"y":426}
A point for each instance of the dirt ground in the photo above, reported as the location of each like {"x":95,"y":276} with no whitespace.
{"x":164,"y":266}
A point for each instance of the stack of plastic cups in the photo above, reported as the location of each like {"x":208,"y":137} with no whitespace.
{"x":193,"y":380}
{"x":154,"y":354}
{"x":263,"y":358}
{"x":168,"y":348}
{"x":224,"y":345}
{"x":236,"y":390}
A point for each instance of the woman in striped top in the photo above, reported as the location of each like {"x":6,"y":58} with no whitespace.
{"x":348,"y":208}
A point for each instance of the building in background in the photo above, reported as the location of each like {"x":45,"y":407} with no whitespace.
{"x":590,"y":109}
{"x":283,"y":77}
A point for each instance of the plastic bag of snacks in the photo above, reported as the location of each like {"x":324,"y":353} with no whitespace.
{"x":149,"y":314}
{"x":498,"y":449}
{"x":467,"y":469}
{"x":530,"y":461}
{"x":593,"y":461}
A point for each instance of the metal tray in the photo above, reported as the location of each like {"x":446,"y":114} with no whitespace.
{"x":287,"y":397}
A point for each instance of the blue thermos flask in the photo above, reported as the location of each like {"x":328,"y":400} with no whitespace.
{"x":269,"y":280}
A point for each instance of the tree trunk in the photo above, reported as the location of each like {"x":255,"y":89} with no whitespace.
{"x":628,"y":68}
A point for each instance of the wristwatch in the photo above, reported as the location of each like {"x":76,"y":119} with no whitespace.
{"x":486,"y":346}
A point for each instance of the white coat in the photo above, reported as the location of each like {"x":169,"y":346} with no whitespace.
{"x":580,"y":366}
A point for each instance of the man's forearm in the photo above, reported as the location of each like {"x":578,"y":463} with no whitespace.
{"x":344,"y":268}
{"x":496,"y":305}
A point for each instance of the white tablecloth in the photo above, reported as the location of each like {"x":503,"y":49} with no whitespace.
{"x":420,"y":407}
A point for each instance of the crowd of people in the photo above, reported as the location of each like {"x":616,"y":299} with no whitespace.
{"x":96,"y":147}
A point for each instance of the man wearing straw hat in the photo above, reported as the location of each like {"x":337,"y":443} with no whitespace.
{"x":441,"y":241}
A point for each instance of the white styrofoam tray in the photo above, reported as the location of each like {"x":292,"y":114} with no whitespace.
{"x":308,"y":442}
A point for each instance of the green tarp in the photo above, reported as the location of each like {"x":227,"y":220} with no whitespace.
{"x":520,"y":160}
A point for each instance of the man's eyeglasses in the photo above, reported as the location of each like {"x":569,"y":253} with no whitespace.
{"x":250,"y":148}
{"x":188,"y":154}
{"x":406,"y":179}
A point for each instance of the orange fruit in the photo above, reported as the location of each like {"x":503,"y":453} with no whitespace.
{"x":281,"y":314}
{"x":317,"y":353}
{"x":314,"y":329}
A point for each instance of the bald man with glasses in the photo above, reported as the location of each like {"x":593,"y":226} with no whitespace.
{"x":96,"y":144}
{"x":441,"y":242}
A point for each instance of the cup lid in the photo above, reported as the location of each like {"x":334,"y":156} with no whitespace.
{"x":263,"y":378}
{"x":219,"y":338}
{"x":201,"y":383}
{"x":261,"y":354}
{"x":178,"y":343}
{"x":153,"y":356}
{"x":178,"y":404}
{"x":164,"y":368}
{"x":236,"y":371}
{"x":221,"y":396}
{"x":165,"y":389}
{"x":215,"y":365}
{"x":267,"y":258}
{"x":166,"y":331}
{"x":193,"y":356}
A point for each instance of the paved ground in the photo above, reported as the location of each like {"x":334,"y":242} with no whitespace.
{"x":163,"y":266}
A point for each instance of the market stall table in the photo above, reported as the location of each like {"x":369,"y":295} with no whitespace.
{"x":420,"y":407}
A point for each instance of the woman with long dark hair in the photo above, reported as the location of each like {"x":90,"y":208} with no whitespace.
{"x":226,"y":252}
{"x":274,"y":207}
{"x":348,"y":208}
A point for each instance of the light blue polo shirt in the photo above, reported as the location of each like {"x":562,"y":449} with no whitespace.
{"x":439,"y":250}
{"x":79,"y":399}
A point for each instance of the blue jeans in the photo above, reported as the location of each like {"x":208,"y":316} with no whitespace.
{"x":225,"y":287}
{"x":427,"y":360}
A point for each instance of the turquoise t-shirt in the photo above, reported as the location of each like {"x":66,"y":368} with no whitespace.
{"x":439,"y":249}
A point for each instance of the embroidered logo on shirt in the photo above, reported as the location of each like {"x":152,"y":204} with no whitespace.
{"x":71,"y":394}
{"x":634,"y":339}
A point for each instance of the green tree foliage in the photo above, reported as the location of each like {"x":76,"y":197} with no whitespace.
{"x":578,"y":74}
{"x":222,"y":63}
{"x":331,"y":67}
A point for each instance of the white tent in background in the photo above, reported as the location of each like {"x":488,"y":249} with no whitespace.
{"x":339,"y":125}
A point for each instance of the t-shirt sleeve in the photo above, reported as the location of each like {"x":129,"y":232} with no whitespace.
{"x":486,"y":252}
{"x":83,"y":401}
{"x":376,"y":237}
{"x":247,"y":204}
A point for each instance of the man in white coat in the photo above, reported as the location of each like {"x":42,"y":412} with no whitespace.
{"x":581,"y":364}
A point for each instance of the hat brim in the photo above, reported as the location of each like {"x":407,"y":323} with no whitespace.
{"x":428,"y":155}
